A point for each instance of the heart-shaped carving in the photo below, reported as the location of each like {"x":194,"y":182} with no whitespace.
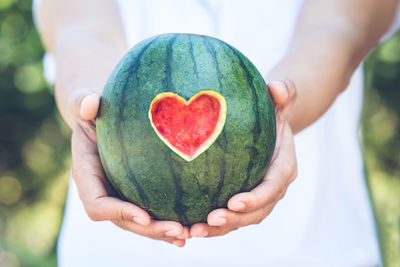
{"x":188,"y":127}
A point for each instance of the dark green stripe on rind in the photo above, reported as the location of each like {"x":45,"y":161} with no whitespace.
{"x":120,"y":176}
{"x":221,"y":141}
{"x":168,"y":79}
{"x":256,"y":129}
{"x":184,"y":64}
{"x":193,"y":59}
{"x":179,"y":207}
{"x":130,"y":173}
{"x":267,"y":113}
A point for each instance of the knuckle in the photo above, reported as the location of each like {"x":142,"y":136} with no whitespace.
{"x":94,"y":216}
{"x":92,"y":211}
{"x":169,"y":241}
{"x":122,"y":224}
{"x":288,"y":170}
{"x":278,"y":187}
{"x":278,"y":192}
{"x":291,"y":86}
{"x":234,"y":229}
{"x":152,"y":233}
{"x":119,"y":214}
{"x":119,"y":223}
{"x":225,"y":231}
{"x":256,"y":221}
{"x":251,"y":203}
{"x":282,"y":195}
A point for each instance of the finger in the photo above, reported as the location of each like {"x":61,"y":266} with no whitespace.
{"x":75,"y":100}
{"x":109,"y":208}
{"x":219,"y":231}
{"x":160,"y":229}
{"x":292,"y":96}
{"x":85,"y":156}
{"x":231,"y":221}
{"x":86,"y":166}
{"x":185,"y":233}
{"x":227,"y":218}
{"x":155,"y":229}
{"x":89,"y":107}
{"x":291,"y":89}
{"x":84,"y":104}
{"x":177,"y":242}
{"x":92,"y":184}
{"x":265,"y":193}
{"x":171,"y":240}
{"x":199,"y":230}
{"x":205,"y":230}
{"x":283,"y":94}
{"x":278,"y":92}
{"x":219,"y":217}
{"x":99,"y":206}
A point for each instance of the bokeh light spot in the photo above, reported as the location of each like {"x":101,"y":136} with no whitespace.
{"x":28,"y":79}
{"x":9,"y":260}
{"x":4,"y":4}
{"x":389,"y":52}
{"x":10,"y":190}
{"x":5,"y":49}
{"x":13,"y":27}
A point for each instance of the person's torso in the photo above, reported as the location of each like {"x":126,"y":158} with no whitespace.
{"x":325,"y":218}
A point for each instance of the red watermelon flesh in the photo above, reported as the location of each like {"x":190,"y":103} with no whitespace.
{"x":188,"y":127}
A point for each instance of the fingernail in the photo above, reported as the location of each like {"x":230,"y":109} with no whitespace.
{"x":286,"y":92}
{"x":177,"y":243}
{"x":203,"y":234}
{"x":83,"y":103}
{"x":173,"y":232}
{"x":282,"y":84}
{"x":238,"y":205}
{"x":140,"y":220}
{"x":184,"y":235}
{"x":219,"y":221}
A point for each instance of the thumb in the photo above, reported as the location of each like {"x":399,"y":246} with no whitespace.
{"x":85,"y":104}
{"x":283,"y":94}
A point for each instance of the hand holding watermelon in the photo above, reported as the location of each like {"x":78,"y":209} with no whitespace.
{"x":244,"y":208}
{"x":254,"y":206}
{"x":94,"y":189}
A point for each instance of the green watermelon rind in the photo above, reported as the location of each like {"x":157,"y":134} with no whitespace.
{"x":142,"y":169}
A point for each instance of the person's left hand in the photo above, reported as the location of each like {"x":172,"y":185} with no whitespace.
{"x":98,"y":197}
{"x":254,"y":206}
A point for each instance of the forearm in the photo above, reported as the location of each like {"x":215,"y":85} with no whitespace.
{"x":87,"y":41}
{"x":319,"y":74}
{"x":326,"y":49}
{"x":82,"y":62}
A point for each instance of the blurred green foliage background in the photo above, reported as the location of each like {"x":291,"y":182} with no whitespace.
{"x":35,"y":154}
{"x":34,"y":146}
{"x":380,"y":136}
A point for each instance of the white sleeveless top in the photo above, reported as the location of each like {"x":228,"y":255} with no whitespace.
{"x":325,"y":219}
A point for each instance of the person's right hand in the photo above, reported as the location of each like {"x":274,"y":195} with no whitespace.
{"x":95,"y":191}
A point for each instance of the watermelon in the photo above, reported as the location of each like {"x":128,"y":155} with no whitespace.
{"x":185,"y":122}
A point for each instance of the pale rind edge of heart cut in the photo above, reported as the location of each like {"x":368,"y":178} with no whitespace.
{"x":218,"y":128}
